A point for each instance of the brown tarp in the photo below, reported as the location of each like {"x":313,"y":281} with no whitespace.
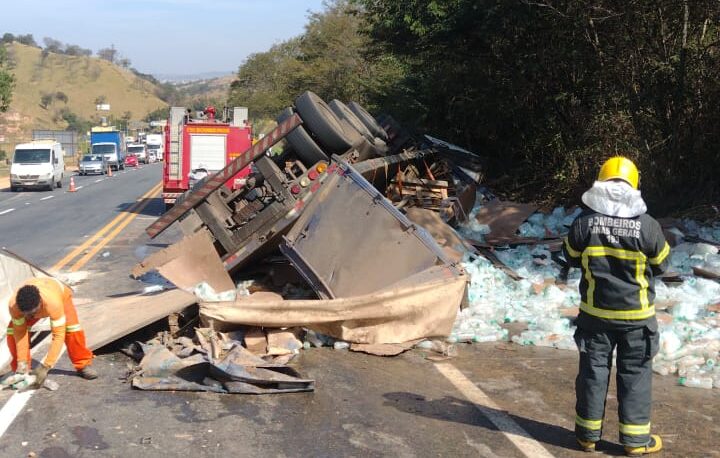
{"x":504,"y":219}
{"x":189,"y":262}
{"x":423,"y":305}
{"x":109,"y":320}
{"x":443,"y":234}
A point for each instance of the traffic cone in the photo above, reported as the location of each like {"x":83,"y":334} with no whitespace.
{"x":109,"y":171}
{"x":72,"y":185}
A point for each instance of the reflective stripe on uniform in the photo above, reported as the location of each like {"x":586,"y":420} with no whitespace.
{"x":645,"y":311}
{"x":58,"y":323}
{"x":73,"y":328}
{"x":572,"y":252}
{"x":10,"y":332}
{"x":18,"y":321}
{"x":635,"y":430}
{"x":661,"y":257}
{"x":592,"y":425}
{"x":618,"y":314}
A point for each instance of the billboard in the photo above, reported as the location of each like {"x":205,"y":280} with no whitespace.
{"x":67,"y":138}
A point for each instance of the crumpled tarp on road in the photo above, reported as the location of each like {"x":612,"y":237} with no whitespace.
{"x":237,"y":370}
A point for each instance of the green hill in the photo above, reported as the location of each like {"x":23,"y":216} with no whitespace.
{"x":48,"y":85}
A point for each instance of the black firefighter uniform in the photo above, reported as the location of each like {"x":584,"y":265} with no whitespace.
{"x":619,"y":258}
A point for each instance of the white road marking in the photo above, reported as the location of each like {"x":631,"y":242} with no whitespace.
{"x":48,"y":197}
{"x":17,"y":401}
{"x":79,"y":188}
{"x":27,"y":203}
{"x":7,"y":211}
{"x":514,"y":432}
{"x":98,"y":180}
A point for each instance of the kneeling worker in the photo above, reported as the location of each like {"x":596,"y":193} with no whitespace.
{"x":40,"y":298}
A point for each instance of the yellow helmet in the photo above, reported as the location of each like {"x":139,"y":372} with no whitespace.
{"x":620,"y":168}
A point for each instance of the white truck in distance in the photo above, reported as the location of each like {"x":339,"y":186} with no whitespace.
{"x":156,"y":144}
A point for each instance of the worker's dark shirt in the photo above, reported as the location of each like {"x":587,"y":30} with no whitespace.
{"x":619,"y":258}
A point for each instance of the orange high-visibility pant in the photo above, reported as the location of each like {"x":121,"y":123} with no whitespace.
{"x":79,"y":354}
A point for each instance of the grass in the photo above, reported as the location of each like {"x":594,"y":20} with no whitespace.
{"x":82,"y":80}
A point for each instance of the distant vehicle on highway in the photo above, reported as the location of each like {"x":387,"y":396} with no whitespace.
{"x":93,"y":164}
{"x":38,"y":164}
{"x":152,"y":156}
{"x":139,"y":151}
{"x":109,"y":142}
{"x":131,"y":161}
{"x":156,"y":143}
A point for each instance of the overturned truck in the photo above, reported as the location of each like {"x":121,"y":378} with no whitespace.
{"x":334,"y":206}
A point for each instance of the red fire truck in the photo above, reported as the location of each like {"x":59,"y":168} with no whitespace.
{"x":199,"y":147}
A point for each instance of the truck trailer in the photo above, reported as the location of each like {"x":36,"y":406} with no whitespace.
{"x":107,"y":141}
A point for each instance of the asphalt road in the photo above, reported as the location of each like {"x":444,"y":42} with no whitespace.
{"x":491,"y":400}
{"x":42,"y":226}
{"x":363,"y":406}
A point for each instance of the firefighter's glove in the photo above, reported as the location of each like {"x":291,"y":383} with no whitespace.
{"x":40,"y":373}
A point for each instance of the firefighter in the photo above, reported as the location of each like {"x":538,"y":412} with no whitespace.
{"x":620,"y":249}
{"x":40,"y":298}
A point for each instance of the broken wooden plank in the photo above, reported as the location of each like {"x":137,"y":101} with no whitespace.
{"x":109,"y":320}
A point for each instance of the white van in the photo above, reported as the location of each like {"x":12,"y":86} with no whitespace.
{"x":38,"y":164}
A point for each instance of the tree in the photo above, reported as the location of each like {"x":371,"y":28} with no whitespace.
{"x":53,"y":45}
{"x":45,"y":100}
{"x":264,"y":81}
{"x":332,"y":58}
{"x":74,"y":122}
{"x":28,"y":40}
{"x":124,"y":62}
{"x":7,"y":38}
{"x":7,"y":81}
{"x":108,"y":54}
{"x":101,"y":99}
{"x":158,"y":114}
{"x":548,"y":90}
{"x":61,"y":96}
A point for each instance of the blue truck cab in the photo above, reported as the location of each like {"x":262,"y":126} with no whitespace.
{"x":108,"y":142}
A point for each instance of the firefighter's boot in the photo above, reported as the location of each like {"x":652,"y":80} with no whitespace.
{"x":586,"y":446}
{"x":655,"y":445}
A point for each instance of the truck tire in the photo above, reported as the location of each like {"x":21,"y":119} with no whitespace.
{"x":368,"y":120}
{"x":302,"y":143}
{"x":343,"y":112}
{"x":322,"y":121}
{"x":13,"y":188}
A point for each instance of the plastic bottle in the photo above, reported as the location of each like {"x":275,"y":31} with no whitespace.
{"x":695,"y":381}
{"x":25,"y":383}
{"x":340,"y":345}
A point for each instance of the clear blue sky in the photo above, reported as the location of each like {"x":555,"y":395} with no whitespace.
{"x":163,"y":36}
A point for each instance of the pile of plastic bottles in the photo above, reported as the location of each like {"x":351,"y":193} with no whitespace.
{"x":689,"y":345}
